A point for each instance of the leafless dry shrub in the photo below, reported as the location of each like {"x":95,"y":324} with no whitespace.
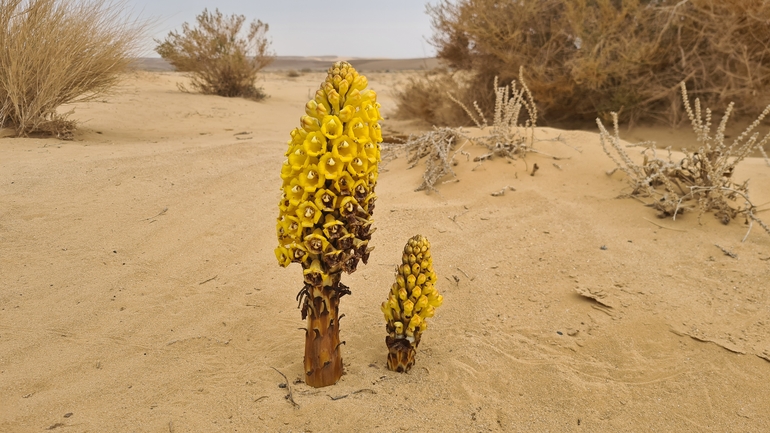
{"x":59,"y":52}
{"x":507,"y":136}
{"x":702,"y":179}
{"x":218,"y":57}
{"x":589,"y":57}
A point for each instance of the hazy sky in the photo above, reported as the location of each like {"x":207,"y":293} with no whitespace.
{"x":349,"y":28}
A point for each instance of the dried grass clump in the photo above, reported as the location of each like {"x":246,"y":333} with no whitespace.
{"x":585,"y":58}
{"x":59,"y":52}
{"x":218,"y":58}
{"x":506,"y":137}
{"x":702,"y":179}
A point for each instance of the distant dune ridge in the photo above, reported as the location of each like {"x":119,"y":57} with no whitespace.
{"x":320,"y":63}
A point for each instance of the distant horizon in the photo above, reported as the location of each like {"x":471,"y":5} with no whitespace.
{"x":398,"y":29}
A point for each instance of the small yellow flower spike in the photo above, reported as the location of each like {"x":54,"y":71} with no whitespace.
{"x":416,"y":300}
{"x":331,"y":126}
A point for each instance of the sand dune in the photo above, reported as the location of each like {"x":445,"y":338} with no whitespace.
{"x":139,"y":290}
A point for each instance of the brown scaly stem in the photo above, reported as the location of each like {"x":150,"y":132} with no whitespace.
{"x":323,"y":357}
{"x":401,"y":354}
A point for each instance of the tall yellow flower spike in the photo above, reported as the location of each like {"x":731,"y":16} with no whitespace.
{"x":326,"y":206}
{"x":411,"y":300}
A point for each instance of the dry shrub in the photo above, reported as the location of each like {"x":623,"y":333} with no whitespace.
{"x":704,"y":176}
{"x":508,"y":136}
{"x":219,"y":59}
{"x":425,"y":97}
{"x":59,"y":52}
{"x":585,"y":57}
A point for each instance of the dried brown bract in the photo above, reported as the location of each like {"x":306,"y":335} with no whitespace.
{"x":702,"y":179}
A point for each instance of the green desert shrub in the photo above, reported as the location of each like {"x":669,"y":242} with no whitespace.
{"x":218,"y":56}
{"x":589,"y":57}
{"x":56,"y":52}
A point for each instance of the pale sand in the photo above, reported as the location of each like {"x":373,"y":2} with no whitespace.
{"x":139,"y":291}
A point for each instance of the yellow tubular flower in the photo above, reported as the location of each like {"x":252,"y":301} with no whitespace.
{"x":399,"y":328}
{"x":427,"y":312}
{"x":386,"y":311}
{"x":344,"y":183}
{"x":358,"y":130}
{"x":348,"y":205}
{"x":331,"y":168}
{"x":360,"y":83}
{"x":343,"y":87}
{"x":295,"y":192}
{"x":311,"y":178}
{"x":334,"y":100}
{"x":308,"y":214}
{"x":291,"y":226}
{"x":353,"y":99}
{"x":311,"y":109}
{"x":344,"y":148}
{"x":298,"y":159}
{"x":283,"y":256}
{"x":316,"y":242}
{"x":369,"y":112}
{"x":326,"y":200}
{"x":298,"y":253}
{"x":375,"y":132}
{"x":415,"y":322}
{"x":347,"y":113}
{"x":408,"y":307}
{"x":371,"y":152}
{"x":310,"y":124}
{"x":358,"y":167}
{"x":332,"y":127}
{"x":314,"y":144}
{"x":437,"y":301}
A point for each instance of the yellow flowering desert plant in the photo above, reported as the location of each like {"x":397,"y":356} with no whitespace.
{"x":413,"y":299}
{"x":326,"y":206}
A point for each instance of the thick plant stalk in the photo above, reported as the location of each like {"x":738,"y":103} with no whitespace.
{"x":325,"y":211}
{"x":323,"y":358}
{"x":412,"y":300}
